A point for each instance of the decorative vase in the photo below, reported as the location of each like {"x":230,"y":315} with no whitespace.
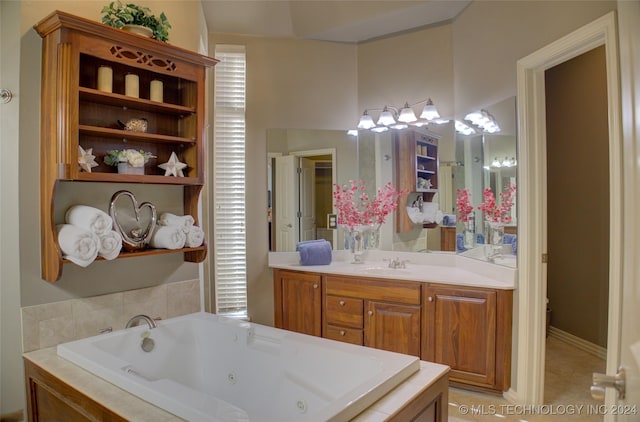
{"x":469,"y":233}
{"x":125,"y":168}
{"x":372,"y":237}
{"x":496,"y":237}
{"x":139,"y":29}
{"x":355,"y":241}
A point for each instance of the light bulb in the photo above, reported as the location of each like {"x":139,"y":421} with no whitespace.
{"x":429,"y":111}
{"x":366,"y":122}
{"x":407,"y":115}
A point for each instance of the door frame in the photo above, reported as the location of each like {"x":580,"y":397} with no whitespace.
{"x":334,"y":174}
{"x":532,"y":225}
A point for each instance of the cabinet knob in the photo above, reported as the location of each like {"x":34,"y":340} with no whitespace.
{"x":342,"y":333}
{"x":370,"y":313}
{"x":315,"y":286}
{"x":341,"y":303}
{"x":430,"y":298}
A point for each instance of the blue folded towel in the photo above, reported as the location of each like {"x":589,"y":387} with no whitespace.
{"x":314,"y":252}
{"x":460,"y":242}
{"x":480,"y":238}
{"x":449,"y":220}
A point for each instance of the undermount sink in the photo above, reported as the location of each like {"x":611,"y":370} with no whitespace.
{"x":386,"y":271}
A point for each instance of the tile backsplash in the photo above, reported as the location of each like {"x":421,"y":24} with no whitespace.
{"x":50,"y":324}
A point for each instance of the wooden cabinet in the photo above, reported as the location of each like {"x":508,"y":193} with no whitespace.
{"x":394,"y":327}
{"x":372,"y":312}
{"x":448,"y":239}
{"x":298,"y":302}
{"x":416,"y":170}
{"x":466,"y":328}
{"x":75,"y":113}
{"x":469,"y":329}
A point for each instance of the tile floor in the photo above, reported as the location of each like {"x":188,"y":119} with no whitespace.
{"x":567,"y":381}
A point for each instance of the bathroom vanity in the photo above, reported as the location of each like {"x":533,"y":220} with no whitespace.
{"x":445,"y":309}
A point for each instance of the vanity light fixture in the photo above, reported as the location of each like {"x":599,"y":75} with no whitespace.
{"x":464,"y":129}
{"x":484,"y":120}
{"x":496,"y":163}
{"x":394,"y":118}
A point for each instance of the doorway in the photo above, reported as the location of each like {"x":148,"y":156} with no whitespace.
{"x":533,"y":219}
{"x":578,"y":225}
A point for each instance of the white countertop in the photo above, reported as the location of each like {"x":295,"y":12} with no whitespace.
{"x":443,"y":268}
{"x":133,"y":408}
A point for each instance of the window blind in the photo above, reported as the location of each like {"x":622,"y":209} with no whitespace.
{"x":229,"y":187}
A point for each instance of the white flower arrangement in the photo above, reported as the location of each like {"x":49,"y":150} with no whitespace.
{"x":131,"y":156}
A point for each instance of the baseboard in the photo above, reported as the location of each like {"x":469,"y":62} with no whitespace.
{"x":579,"y":343}
{"x":13,"y":417}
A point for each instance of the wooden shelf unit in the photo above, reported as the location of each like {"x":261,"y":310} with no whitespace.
{"x":75,"y":113}
{"x":416,"y":155}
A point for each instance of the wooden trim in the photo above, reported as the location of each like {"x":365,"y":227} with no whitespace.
{"x":436,"y":395}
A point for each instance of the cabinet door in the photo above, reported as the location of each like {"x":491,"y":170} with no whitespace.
{"x":298,"y":298}
{"x":461,"y":332}
{"x":392,"y":327}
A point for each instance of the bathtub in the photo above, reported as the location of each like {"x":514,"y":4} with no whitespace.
{"x":209,"y":368}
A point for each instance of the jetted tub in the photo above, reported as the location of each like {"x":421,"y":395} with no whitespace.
{"x":209,"y":368}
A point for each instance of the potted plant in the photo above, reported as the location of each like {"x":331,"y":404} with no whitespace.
{"x":128,"y":161}
{"x":123,"y":16}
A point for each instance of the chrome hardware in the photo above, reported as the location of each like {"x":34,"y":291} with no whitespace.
{"x":150,"y":322}
{"x":397,"y":263}
{"x":105,"y":330}
{"x":5,"y":96}
{"x":602,"y":381}
{"x":341,"y":303}
{"x":370,"y":313}
{"x":430,"y":298}
{"x":315,"y":286}
{"x":342,"y":333}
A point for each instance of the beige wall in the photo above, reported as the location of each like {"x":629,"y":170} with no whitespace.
{"x":578,"y":196}
{"x":293,"y":84}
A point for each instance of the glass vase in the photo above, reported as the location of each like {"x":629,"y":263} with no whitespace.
{"x":355,"y":241}
{"x":496,"y":238}
{"x":469,"y":233}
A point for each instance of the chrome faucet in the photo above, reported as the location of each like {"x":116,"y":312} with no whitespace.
{"x":397,"y":263}
{"x":150,"y":322}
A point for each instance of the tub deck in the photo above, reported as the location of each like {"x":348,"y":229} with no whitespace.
{"x":59,"y":390}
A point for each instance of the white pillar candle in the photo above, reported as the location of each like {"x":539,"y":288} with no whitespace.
{"x":156,"y":91}
{"x":105,"y":79}
{"x":131,"y":85}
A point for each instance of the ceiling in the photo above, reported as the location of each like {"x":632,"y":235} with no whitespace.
{"x":349,"y":21}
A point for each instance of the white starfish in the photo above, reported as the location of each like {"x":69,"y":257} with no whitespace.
{"x":173,"y":166}
{"x":86,"y":159}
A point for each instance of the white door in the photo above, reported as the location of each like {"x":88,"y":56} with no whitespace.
{"x":307,"y":195}
{"x":285,"y":188}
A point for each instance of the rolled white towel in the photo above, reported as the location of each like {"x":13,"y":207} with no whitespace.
{"x":183,"y":221}
{"x":195,"y":237}
{"x":89,"y":218}
{"x":110,"y":245}
{"x":168,"y":237}
{"x":78,"y":245}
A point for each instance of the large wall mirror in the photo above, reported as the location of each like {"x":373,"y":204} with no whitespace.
{"x":303,"y":165}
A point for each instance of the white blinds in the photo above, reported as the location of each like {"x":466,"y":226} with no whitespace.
{"x":229,"y":186}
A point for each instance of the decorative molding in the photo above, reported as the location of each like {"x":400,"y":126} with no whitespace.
{"x":143,"y":58}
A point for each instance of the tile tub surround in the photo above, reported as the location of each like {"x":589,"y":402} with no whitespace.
{"x":133,"y":408}
{"x":445,"y":268}
{"x":50,"y":324}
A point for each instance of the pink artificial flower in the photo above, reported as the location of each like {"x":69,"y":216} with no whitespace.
{"x":502,"y":213}
{"x":364,"y":211}
{"x":463,"y":204}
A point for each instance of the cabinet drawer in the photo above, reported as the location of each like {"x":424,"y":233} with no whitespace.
{"x":347,"y":335}
{"x":345,"y":311}
{"x":397,"y":291}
